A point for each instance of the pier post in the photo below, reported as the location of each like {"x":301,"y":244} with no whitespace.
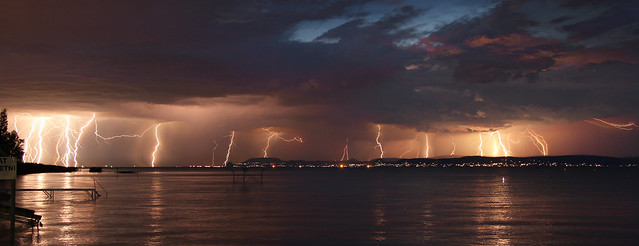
{"x":244,"y":174}
{"x":12,"y":214}
{"x":233,"y":171}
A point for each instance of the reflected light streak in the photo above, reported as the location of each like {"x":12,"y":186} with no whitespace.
{"x":156,"y":212}
{"x":380,"y":222}
{"x":494,"y":224}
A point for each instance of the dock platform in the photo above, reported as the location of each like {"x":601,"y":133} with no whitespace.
{"x":50,"y":192}
{"x":22,"y":215}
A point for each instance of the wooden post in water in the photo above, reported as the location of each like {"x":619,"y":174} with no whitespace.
{"x":8,"y":171}
{"x":244,"y":174}
{"x":12,"y":214}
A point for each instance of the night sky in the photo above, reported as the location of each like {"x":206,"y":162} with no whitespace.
{"x":325,"y":71}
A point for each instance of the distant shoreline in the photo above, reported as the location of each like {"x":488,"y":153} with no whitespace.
{"x":29,"y":168}
{"x":460,"y":162}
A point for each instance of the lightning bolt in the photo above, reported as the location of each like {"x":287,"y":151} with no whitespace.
{"x":602,"y":123}
{"x":412,"y":146}
{"x":213,"y":151}
{"x":268,"y":144}
{"x":34,"y":143}
{"x":57,"y":149}
{"x":345,"y":154}
{"x":40,"y":130}
{"x":509,"y":141}
{"x":379,"y":144}
{"x":77,"y":140}
{"x":15,"y":124}
{"x":64,"y":141}
{"x":277,"y":135}
{"x":157,"y":139}
{"x":106,"y":139}
{"x":27,"y":149}
{"x":503,"y":148}
{"x":157,"y":145}
{"x":427,"y":146}
{"x":538,"y":141}
{"x":68,"y":143}
{"x":452,"y":141}
{"x":67,"y":137}
{"x":228,"y":152}
{"x":60,"y":143}
{"x":480,"y":152}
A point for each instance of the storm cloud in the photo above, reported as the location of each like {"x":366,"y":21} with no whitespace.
{"x":324,"y":70}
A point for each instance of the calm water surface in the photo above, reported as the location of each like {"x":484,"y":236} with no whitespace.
{"x":427,"y":206}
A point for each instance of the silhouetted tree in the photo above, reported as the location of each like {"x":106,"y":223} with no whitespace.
{"x":10,"y":143}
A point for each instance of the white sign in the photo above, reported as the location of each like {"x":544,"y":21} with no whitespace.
{"x":8,"y":168}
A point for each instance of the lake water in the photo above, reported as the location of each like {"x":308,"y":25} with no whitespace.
{"x":387,"y":206}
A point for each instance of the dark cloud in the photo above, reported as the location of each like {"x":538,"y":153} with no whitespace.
{"x":499,"y":47}
{"x":618,"y":14}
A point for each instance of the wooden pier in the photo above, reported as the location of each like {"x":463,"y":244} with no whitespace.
{"x":50,"y":192}
{"x":92,"y":192}
{"x":22,"y":215}
{"x":245,"y":176}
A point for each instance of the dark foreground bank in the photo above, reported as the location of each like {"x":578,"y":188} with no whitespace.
{"x":28,"y":168}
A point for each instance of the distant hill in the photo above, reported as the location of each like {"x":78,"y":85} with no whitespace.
{"x":447,"y":156}
{"x":558,"y":160}
{"x":385,"y":160}
{"x":263,"y":161}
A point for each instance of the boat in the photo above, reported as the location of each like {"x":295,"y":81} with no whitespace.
{"x":127,"y":171}
{"x":95,"y":169}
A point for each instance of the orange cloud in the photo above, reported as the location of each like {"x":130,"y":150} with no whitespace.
{"x":581,"y":58}
{"x":513,"y":40}
{"x":437,"y":46}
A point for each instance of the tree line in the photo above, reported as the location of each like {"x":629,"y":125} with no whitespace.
{"x":10,"y":142}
